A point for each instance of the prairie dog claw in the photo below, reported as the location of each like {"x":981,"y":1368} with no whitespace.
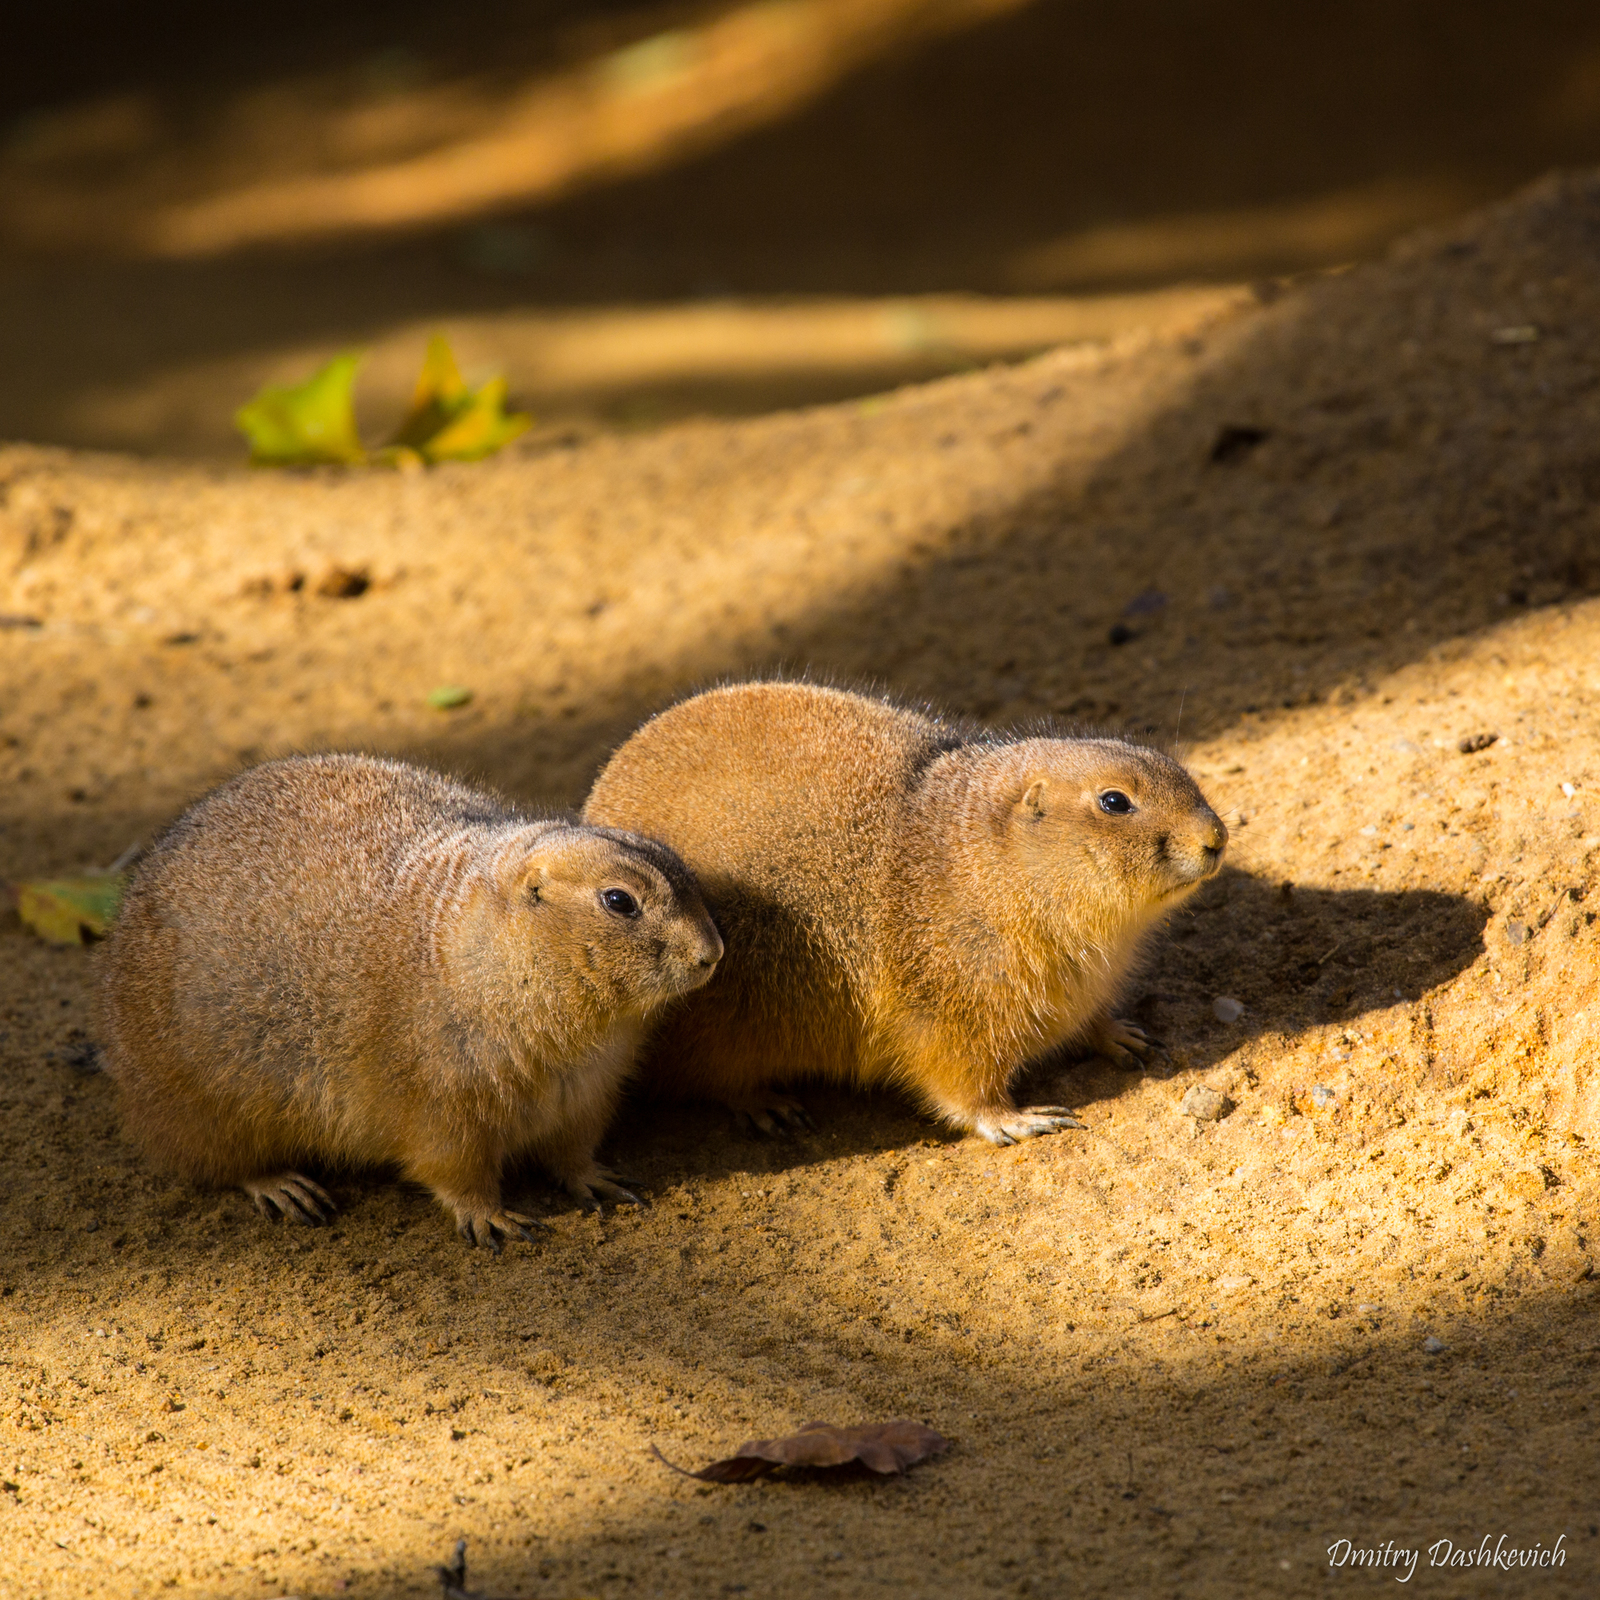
{"x":1120,"y":1042}
{"x":1004,"y":1125}
{"x":291,"y":1196}
{"x":493,"y":1228}
{"x":774,"y":1116}
{"x":603,"y":1184}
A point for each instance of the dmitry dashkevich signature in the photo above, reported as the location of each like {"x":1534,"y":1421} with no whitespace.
{"x":1488,"y":1552}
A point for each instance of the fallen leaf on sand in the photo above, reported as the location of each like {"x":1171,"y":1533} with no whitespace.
{"x":450,"y":422}
{"x":882,"y":1447}
{"x":306,"y":424}
{"x":68,"y":910}
{"x":314,"y":423}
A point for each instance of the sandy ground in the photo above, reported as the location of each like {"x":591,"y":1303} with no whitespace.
{"x":1174,"y":1357}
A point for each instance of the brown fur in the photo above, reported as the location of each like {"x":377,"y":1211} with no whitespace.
{"x":902,"y":904}
{"x":359,"y":962}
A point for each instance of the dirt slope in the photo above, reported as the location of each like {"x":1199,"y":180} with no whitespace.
{"x":1175,"y":1357}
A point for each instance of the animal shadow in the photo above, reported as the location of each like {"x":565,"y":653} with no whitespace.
{"x":1295,"y":957}
{"x":1292,"y":956}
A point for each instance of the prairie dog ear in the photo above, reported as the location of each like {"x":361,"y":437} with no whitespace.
{"x":535,"y":877}
{"x":1033,"y":799}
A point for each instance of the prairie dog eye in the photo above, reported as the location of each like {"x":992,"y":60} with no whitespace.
{"x":619,"y":902}
{"x":1115,"y":803}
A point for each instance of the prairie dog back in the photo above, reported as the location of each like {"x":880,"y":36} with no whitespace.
{"x":363,"y":962}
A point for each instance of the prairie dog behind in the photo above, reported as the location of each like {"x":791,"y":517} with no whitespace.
{"x":904,"y":903}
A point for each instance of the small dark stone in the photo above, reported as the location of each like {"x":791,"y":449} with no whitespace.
{"x":1470,"y":743}
{"x":344,"y":583}
{"x":1234,"y":443}
{"x":1121,"y":633}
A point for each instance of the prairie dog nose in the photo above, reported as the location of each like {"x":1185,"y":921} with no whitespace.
{"x":711,"y":950}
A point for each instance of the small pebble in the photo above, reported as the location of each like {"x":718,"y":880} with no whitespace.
{"x":91,"y":1226}
{"x":1369,"y":832}
{"x":1408,"y":827}
{"x":1516,"y":933}
{"x":1322,"y":1097}
{"x":1204,"y":1105}
{"x":1225,"y":1009}
{"x":1473,"y":742}
{"x":1432,"y":1345}
{"x":1145,"y":604}
{"x":1568,"y":790}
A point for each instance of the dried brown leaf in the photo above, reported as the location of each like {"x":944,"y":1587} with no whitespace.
{"x":882,"y":1447}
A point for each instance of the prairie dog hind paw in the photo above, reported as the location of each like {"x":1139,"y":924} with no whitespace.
{"x":1006,"y":1124}
{"x":776,"y":1116}
{"x":1120,"y":1042}
{"x":292,"y":1197}
{"x":602,"y":1184}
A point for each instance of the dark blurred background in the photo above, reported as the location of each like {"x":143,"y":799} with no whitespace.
{"x":194,"y":198}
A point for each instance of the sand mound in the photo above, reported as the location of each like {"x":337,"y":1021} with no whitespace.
{"x":1345,"y":528}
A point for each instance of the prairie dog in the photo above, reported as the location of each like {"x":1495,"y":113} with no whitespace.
{"x":903,"y":903}
{"x":361,"y":962}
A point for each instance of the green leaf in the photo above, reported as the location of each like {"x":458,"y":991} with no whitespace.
{"x":314,"y":422}
{"x":448,"y":696}
{"x":450,"y":422}
{"x":70,"y":910}
{"x":306,"y":424}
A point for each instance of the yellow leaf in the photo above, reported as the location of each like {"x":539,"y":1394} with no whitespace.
{"x":306,"y":424}
{"x":480,"y":428}
{"x":441,"y":393}
{"x":450,"y":422}
{"x":70,"y":910}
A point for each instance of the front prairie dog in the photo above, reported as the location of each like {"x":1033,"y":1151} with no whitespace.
{"x":903,"y":903}
{"x":358,"y":962}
